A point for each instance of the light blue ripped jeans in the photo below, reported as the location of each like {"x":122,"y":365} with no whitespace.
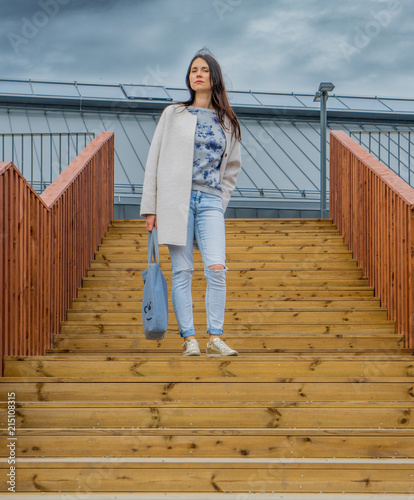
{"x":206,"y":222}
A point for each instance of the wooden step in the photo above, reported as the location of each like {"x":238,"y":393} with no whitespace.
{"x":255,"y":223}
{"x":237,"y":255}
{"x":302,"y":241}
{"x":319,"y":398}
{"x":240,"y":476}
{"x":112,"y":282}
{"x":242,"y":235}
{"x":236,"y":275}
{"x":213,"y":415}
{"x":319,"y":236}
{"x":235,"y":226}
{"x":266,"y":327}
{"x":281,"y":315}
{"x":271,"y":389}
{"x":249,"y":303}
{"x":272,"y":366}
{"x":262,"y":293}
{"x":197,"y":443}
{"x":268,"y":251}
{"x":311,"y":230}
{"x":270,"y":267}
{"x":133,"y":343}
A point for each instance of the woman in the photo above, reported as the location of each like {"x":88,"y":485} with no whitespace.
{"x":191,"y":172}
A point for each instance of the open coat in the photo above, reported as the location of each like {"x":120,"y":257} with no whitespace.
{"x":169,"y":172}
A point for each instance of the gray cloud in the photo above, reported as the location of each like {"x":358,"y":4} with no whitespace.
{"x":364,"y":46}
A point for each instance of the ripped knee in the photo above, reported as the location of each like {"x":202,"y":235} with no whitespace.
{"x":216,"y":267}
{"x":183,"y":271}
{"x":182,"y":274}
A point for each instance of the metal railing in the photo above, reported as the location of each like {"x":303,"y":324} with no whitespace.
{"x":239,"y":192}
{"x":42,"y":157}
{"x":394,"y":149}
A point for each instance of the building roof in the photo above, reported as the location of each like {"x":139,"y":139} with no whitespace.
{"x":152,"y":97}
{"x":280,"y":132}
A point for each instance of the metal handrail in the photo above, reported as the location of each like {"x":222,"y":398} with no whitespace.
{"x":41,"y":157}
{"x":394,"y":149}
{"x":239,"y":192}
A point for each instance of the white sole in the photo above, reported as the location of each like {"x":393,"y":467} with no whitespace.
{"x":220,"y":355}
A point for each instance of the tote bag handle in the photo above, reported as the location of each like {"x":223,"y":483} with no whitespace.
{"x":153,"y":252}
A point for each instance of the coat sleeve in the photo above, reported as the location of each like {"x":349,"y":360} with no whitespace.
{"x":149,"y":188}
{"x":228,"y":182}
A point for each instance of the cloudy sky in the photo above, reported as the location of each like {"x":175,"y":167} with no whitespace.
{"x":365,"y":47}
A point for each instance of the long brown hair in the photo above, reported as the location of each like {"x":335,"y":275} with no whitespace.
{"x":219,"y":97}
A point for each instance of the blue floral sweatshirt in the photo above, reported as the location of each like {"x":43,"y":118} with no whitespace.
{"x":209,"y":146}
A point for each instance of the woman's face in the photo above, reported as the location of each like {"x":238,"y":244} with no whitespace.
{"x":200,"y":75}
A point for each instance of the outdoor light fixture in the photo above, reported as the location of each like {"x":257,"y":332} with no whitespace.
{"x":322,"y":96}
{"x":323,"y":87}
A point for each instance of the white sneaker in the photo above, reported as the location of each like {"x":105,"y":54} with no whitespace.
{"x":191,"y":348}
{"x":218,"y":347}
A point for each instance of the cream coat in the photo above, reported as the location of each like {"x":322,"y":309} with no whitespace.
{"x":168,"y":173}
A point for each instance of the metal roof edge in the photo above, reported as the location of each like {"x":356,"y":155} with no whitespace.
{"x":157,"y":106}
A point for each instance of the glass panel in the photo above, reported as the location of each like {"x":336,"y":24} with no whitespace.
{"x":332,"y":103}
{"x":399,"y":104}
{"x":307,"y":101}
{"x":11,"y":87}
{"x":55,"y":89}
{"x":242,"y":98}
{"x":102,"y":91}
{"x":179,"y":95}
{"x":363,"y":103}
{"x":145,"y":92}
{"x":278,"y":100}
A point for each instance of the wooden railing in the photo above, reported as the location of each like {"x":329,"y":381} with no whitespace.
{"x":47,"y":242}
{"x":374,"y":210}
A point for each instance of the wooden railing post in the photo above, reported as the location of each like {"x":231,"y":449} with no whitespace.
{"x":47,"y":243}
{"x":374,"y":210}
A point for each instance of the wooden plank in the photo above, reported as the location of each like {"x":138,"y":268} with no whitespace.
{"x":133,"y":343}
{"x":172,"y":389}
{"x":260,"y":293}
{"x":32,"y":405}
{"x":286,"y":243}
{"x":248,"y":303}
{"x":216,"y":417}
{"x":115,"y":253}
{"x":190,"y":477}
{"x":255,"y":224}
{"x":237,"y":274}
{"x":296,"y":315}
{"x":197,"y":445}
{"x":177,"y":351}
{"x":111,"y":282}
{"x":254,"y":265}
{"x":278,"y":250}
{"x":118,"y":367}
{"x":267,"y":330}
{"x":329,"y":232}
{"x":265,"y":327}
{"x":300,"y":222}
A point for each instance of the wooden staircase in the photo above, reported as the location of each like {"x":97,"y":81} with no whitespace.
{"x":320,"y":398}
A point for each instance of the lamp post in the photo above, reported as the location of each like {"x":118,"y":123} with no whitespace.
{"x":322,"y":96}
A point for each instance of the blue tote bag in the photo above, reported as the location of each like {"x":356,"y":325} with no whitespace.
{"x":155,"y":294}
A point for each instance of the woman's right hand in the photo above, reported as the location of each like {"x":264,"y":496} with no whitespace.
{"x":151,"y":221}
